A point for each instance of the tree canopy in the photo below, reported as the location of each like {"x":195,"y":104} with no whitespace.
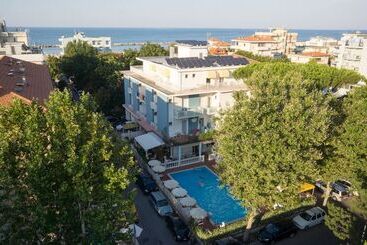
{"x":272,"y":141}
{"x":260,"y":58}
{"x":63,"y":173}
{"x":99,"y":73}
{"x":322,"y":75}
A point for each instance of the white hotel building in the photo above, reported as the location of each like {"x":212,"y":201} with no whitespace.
{"x":100,"y":43}
{"x":177,"y":97}
{"x":352,"y":53}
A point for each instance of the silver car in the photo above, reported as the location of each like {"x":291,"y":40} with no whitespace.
{"x":160,"y":203}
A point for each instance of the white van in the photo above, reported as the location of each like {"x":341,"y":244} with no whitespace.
{"x":309,"y":218}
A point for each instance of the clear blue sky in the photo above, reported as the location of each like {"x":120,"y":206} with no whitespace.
{"x":302,"y":14}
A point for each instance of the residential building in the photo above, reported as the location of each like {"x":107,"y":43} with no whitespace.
{"x":218,"y":47}
{"x":306,"y":57}
{"x":272,"y":43}
{"x":352,"y":53}
{"x":321,"y":45}
{"x":23,"y":80}
{"x":177,"y":97}
{"x":100,"y":43}
{"x":13,"y":43}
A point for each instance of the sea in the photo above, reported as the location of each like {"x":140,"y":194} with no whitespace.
{"x":50,"y":35}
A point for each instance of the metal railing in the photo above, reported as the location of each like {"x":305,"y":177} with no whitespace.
{"x":183,"y":162}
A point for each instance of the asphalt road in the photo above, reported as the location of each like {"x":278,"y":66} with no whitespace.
{"x":154,"y":227}
{"x":318,"y":235}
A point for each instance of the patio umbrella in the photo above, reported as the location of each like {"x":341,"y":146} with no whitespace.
{"x":187,"y":201}
{"x":198,"y":213}
{"x":179,"y":192}
{"x":159,"y":169}
{"x":170,"y":184}
{"x":154,"y":163}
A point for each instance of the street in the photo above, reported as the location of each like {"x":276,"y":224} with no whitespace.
{"x":318,"y":235}
{"x":154,"y":227}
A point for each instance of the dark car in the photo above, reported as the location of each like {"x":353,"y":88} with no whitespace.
{"x":146,"y":183}
{"x":178,"y":228}
{"x":277,"y":231}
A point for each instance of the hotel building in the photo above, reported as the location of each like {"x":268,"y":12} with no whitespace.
{"x":177,"y":97}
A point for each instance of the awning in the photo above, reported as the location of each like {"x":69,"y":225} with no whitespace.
{"x":306,"y":187}
{"x":212,"y":74}
{"x":223,"y":73}
{"x":149,"y":141}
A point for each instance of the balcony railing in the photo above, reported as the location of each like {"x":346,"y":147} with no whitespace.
{"x":199,"y":111}
{"x":183,"y":162}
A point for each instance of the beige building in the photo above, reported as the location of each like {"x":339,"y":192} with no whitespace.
{"x":306,"y":57}
{"x":352,"y":53}
{"x":12,"y":43}
{"x":276,"y":41}
{"x":321,"y":44}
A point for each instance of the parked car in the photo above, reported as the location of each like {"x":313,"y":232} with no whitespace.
{"x":277,"y":231}
{"x":339,"y":192}
{"x":146,"y":183}
{"x":160,"y":203}
{"x":178,"y":228}
{"x":309,"y":218}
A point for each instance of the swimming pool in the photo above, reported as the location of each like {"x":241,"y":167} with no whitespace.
{"x":203,"y":185}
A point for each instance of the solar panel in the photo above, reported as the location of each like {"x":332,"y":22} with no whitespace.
{"x":193,"y":42}
{"x":209,"y":61}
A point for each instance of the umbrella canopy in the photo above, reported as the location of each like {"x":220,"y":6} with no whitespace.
{"x":170,"y":184}
{"x":179,"y":192}
{"x":187,"y":201}
{"x":159,"y":169}
{"x":154,"y":163}
{"x":198,"y":213}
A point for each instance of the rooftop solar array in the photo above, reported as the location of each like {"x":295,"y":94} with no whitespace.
{"x":210,"y":61}
{"x":192,"y":42}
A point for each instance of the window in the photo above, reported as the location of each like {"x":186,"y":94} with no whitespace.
{"x":319,"y":216}
{"x":261,"y":45}
{"x":314,"y":217}
{"x":193,"y":75}
{"x":186,"y":76}
{"x":208,"y":81}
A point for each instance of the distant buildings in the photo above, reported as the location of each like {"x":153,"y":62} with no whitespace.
{"x":100,"y":43}
{"x":23,"y":80}
{"x":306,"y":57}
{"x":177,"y":97}
{"x":272,"y":43}
{"x":352,"y":53}
{"x":12,"y":43}
{"x":320,"y":44}
{"x":218,"y":47}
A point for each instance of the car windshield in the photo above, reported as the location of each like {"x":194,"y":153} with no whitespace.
{"x":305,"y":216}
{"x":271,"y":228}
{"x":162,"y":203}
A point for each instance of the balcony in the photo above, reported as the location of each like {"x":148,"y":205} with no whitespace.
{"x":188,"y":113}
{"x":153,"y":105}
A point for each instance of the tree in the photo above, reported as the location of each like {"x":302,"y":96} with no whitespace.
{"x":151,"y":49}
{"x":350,"y":158}
{"x":322,"y":75}
{"x":272,"y":142}
{"x":63,"y":173}
{"x":259,"y":58}
{"x":53,"y":66}
{"x":342,"y":223}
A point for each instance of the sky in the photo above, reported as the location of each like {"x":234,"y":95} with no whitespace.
{"x":293,"y":14}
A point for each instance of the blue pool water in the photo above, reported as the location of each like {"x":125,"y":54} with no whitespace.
{"x":203,"y":185}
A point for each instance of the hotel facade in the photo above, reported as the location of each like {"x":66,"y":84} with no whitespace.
{"x":177,"y":97}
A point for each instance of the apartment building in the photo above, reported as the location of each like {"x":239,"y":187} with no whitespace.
{"x":306,"y":57}
{"x":12,"y":42}
{"x":320,"y":44}
{"x":177,"y":97}
{"x":274,"y":42}
{"x":352,"y":53}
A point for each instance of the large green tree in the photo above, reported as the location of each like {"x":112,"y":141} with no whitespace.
{"x":63,"y":174}
{"x":342,"y":222}
{"x":322,"y":75}
{"x":272,"y":141}
{"x":151,"y":49}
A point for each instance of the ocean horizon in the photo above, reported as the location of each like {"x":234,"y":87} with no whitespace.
{"x":50,"y":35}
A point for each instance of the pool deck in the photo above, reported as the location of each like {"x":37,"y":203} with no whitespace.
{"x":205,"y":224}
